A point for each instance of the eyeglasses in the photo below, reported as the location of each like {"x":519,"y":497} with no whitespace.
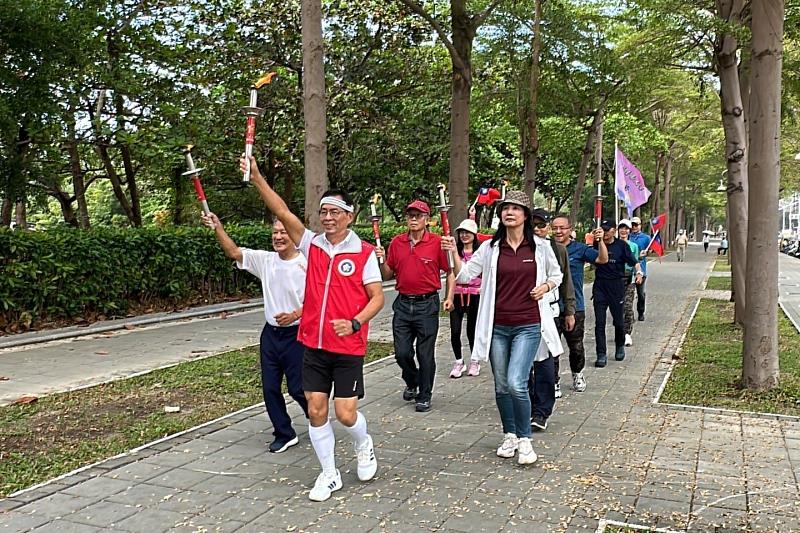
{"x":332,"y":212}
{"x":415,"y":215}
{"x":540,"y":225}
{"x":561,"y":228}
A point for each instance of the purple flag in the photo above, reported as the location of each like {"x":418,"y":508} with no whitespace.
{"x":628,"y":182}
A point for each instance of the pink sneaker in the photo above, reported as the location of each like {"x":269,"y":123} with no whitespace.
{"x":474,"y":368}
{"x":458,"y":368}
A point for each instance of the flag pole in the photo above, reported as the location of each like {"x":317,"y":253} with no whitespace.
{"x":653,"y":238}
{"x":616,"y":200}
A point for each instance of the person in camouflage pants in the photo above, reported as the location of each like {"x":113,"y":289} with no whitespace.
{"x":624,"y":230}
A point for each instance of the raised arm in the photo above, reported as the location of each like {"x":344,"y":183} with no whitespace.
{"x":294,"y":226}
{"x":228,"y":246}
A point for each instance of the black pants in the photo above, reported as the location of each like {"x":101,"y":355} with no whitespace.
{"x":457,"y":317}
{"x":705,"y":247}
{"x":640,"y":296}
{"x":416,"y":322}
{"x":608,"y":295}
{"x":281,"y":354}
{"x":542,"y":387}
{"x":574,"y":338}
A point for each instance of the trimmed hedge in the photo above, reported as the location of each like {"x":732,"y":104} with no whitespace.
{"x":67,"y":274}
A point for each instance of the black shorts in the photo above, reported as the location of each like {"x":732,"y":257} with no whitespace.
{"x":325,"y":370}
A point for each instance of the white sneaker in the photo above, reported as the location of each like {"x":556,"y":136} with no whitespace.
{"x":509,"y":446}
{"x":558,"y":390}
{"x":628,"y":340}
{"x":526,"y":454}
{"x":474,"y":368}
{"x":324,"y":486}
{"x":578,"y":382}
{"x":458,"y":368}
{"x":367,"y":464}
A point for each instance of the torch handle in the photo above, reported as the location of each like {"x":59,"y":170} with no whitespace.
{"x":376,"y":232}
{"x":201,"y":195}
{"x":249,"y":140}
{"x":451,"y":262}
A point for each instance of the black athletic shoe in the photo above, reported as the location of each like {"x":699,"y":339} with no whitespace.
{"x":409,"y":394}
{"x":619,"y":355}
{"x":601,"y":361}
{"x":281,"y":445}
{"x":423,"y":406}
{"x":641,"y":317}
{"x":538,"y":423}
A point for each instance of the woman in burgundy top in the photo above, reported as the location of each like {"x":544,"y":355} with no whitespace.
{"x":516,"y":275}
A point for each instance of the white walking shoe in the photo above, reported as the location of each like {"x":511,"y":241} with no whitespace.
{"x":628,"y":340}
{"x":367,"y":464}
{"x":325,"y":485}
{"x":558,"y":390}
{"x":578,"y":382}
{"x":526,"y":454}
{"x":509,"y":446}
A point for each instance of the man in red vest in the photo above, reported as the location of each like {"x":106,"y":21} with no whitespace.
{"x":343,"y":293}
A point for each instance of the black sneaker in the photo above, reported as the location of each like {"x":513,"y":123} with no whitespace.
{"x":641,"y":317}
{"x":281,"y":445}
{"x":538,"y":423}
{"x":619,"y":355}
{"x":601,"y":361}
{"x":410,"y":394}
{"x":423,"y":406}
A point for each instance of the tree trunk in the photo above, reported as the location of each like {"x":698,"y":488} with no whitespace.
{"x":5,"y":212}
{"x":78,"y":184}
{"x":760,"y":365}
{"x":463,"y":34}
{"x":21,"y":213}
{"x":314,"y":107}
{"x":127,"y":163}
{"x":733,"y":122}
{"x":531,"y":139}
{"x":113,"y":177}
{"x":586,"y":157}
{"x":667,"y":234}
{"x":656,"y":188}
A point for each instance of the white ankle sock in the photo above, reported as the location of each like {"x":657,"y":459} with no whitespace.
{"x":358,"y":431}
{"x":324,"y":443}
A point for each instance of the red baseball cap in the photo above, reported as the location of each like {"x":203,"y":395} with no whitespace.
{"x":419,"y":205}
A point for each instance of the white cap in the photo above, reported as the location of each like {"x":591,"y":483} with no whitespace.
{"x":625,"y":222}
{"x":468,"y":225}
{"x":636,"y":220}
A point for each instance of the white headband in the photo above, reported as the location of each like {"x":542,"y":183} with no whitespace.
{"x":338,"y":202}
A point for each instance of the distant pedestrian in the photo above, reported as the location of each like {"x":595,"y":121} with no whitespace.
{"x":624,"y":229}
{"x":723,"y":246}
{"x":706,"y":242}
{"x":681,"y":242}
{"x":513,"y":316}
{"x":283,"y":282}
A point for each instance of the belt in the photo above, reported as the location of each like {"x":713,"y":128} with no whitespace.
{"x":415,"y":297}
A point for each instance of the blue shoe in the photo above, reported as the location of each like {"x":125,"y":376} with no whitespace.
{"x":619,"y":355}
{"x":601,"y":361}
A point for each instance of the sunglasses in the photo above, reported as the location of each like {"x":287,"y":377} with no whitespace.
{"x":540,"y":225}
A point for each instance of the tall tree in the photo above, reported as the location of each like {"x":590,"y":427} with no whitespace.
{"x":464,"y":26}
{"x":760,"y":365}
{"x":314,"y":108}
{"x":530,"y":137}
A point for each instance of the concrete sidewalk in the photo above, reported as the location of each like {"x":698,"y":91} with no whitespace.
{"x":609,"y":453}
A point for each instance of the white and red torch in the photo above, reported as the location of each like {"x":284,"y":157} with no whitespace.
{"x":252,"y":112}
{"x":194,"y":173}
{"x":443,"y":209}
{"x":376,"y":218}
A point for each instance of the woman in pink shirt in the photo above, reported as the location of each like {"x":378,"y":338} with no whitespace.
{"x":465,"y":302}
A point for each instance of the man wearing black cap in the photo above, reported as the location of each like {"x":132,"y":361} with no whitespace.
{"x":608,"y":291}
{"x":416,"y":260}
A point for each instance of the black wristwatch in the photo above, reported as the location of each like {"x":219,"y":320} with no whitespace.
{"x":356,"y":325}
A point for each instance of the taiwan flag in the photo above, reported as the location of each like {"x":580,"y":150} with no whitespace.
{"x":658,"y":222}
{"x":656,"y":244}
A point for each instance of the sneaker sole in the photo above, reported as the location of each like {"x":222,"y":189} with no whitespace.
{"x":526,"y":460}
{"x":286,"y":446}
{"x":324,"y":499}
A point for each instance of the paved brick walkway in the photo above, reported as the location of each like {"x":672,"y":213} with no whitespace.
{"x":608,"y":453}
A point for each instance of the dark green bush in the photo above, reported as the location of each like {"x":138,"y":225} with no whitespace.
{"x":65,"y":274}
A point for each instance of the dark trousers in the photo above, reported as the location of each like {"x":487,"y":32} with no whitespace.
{"x":416,"y":322}
{"x":640,"y":295}
{"x":705,"y":247}
{"x":457,"y":317}
{"x":542,"y":387}
{"x":608,"y":295}
{"x":281,"y":355}
{"x":574,"y":338}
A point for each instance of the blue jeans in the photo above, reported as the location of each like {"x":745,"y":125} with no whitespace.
{"x":511,"y":356}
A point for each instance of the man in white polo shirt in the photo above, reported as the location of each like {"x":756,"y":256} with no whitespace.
{"x":283,"y":280}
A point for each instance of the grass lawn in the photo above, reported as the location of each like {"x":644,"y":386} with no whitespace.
{"x":722,"y":265}
{"x":718,"y":284}
{"x":711,"y":367}
{"x":60,"y":433}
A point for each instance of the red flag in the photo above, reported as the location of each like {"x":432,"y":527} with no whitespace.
{"x":656,"y":223}
{"x":656,"y":244}
{"x":488,"y":196}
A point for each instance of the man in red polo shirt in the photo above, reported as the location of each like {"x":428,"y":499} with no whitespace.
{"x":416,"y":260}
